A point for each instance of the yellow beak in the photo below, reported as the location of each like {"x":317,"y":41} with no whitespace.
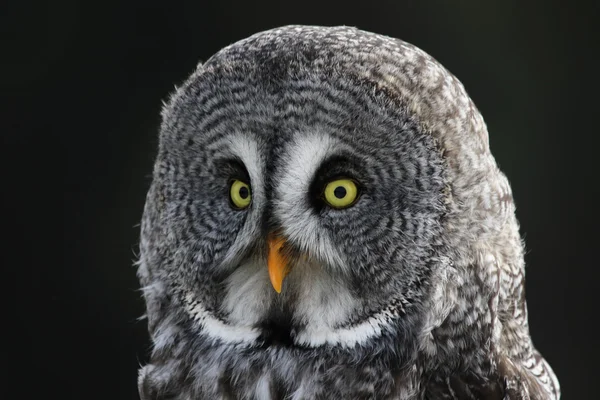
{"x":277,"y":261}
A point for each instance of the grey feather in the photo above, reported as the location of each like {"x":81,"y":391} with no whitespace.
{"x":414,"y":292}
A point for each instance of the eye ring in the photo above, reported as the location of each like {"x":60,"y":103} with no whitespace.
{"x":341,"y":193}
{"x":240,"y":194}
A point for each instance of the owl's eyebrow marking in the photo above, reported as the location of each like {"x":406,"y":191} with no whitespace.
{"x":233,"y":168}
{"x":336,"y":166}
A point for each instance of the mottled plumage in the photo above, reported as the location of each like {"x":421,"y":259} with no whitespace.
{"x":416,"y":291}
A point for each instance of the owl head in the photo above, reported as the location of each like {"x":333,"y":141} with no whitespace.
{"x":312,"y":187}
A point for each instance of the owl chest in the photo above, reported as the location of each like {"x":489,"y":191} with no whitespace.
{"x":282,"y":375}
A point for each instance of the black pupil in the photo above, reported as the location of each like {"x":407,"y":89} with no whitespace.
{"x":340,"y":192}
{"x":244,"y":192}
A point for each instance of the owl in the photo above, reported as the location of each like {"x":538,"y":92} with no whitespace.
{"x":326,"y":221}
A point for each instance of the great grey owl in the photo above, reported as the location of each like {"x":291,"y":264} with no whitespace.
{"x":326,"y":221}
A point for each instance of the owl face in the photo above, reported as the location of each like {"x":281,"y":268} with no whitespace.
{"x":297,"y":204}
{"x":325,"y":219}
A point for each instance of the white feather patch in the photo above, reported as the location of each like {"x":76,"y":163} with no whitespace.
{"x":346,"y":337}
{"x":217,"y":329}
{"x":291,"y":208}
{"x":248,"y":294}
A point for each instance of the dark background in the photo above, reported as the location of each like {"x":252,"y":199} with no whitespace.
{"x":82,"y":85}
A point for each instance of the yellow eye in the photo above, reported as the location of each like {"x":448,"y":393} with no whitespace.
{"x":341,"y":193}
{"x":240,"y":194}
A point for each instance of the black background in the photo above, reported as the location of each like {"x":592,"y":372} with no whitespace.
{"x":82,"y":85}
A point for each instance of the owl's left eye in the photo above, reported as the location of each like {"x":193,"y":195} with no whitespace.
{"x":240,"y":194}
{"x":341,"y":193}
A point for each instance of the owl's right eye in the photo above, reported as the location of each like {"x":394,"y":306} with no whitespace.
{"x":341,"y":193}
{"x":240,"y":194}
